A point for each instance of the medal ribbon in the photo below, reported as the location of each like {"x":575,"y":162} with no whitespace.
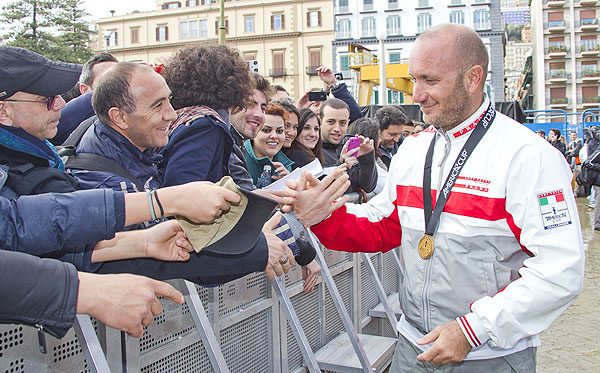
{"x":432,"y":219}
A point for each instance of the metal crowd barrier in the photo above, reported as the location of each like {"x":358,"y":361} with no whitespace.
{"x":247,"y":325}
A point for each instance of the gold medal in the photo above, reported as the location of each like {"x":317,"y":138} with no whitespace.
{"x":426,"y":246}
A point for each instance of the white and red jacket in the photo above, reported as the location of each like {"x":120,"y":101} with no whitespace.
{"x":508,"y":256}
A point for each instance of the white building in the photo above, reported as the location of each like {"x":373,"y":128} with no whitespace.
{"x":358,"y":22}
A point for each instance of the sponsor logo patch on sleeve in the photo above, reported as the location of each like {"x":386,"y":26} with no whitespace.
{"x":555,"y":212}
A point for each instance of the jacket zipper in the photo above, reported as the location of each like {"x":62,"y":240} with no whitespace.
{"x":429,"y":262}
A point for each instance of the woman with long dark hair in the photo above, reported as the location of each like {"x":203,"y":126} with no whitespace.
{"x":307,"y":144}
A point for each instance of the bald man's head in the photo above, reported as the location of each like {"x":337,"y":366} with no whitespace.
{"x":467,"y":46}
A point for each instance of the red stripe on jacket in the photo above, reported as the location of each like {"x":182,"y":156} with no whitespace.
{"x":346,"y":232}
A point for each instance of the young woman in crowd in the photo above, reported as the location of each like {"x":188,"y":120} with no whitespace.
{"x":266,"y":161}
{"x":307,"y":145}
{"x":291,"y":124}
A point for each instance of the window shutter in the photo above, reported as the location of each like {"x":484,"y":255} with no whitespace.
{"x":226,"y":27}
{"x":308,"y":19}
{"x":166,"y":33}
{"x":187,"y":3}
{"x":319,"y":18}
{"x":116,"y":40}
{"x":282,"y":21}
{"x":587,"y":14}
{"x":272,"y":22}
{"x":165,"y":6}
{"x":555,"y":16}
{"x":217,"y":27}
{"x":157,"y":34}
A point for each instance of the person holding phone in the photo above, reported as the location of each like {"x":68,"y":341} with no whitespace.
{"x":307,"y":145}
{"x":266,"y":161}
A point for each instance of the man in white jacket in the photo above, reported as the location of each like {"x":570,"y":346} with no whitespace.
{"x":483,"y":211}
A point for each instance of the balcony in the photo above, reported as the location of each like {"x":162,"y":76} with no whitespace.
{"x":555,"y":3}
{"x":587,"y":2}
{"x":557,"y":50}
{"x":588,"y":24}
{"x":590,"y":101}
{"x":277,"y":72}
{"x":556,"y":26}
{"x":312,"y":70}
{"x":558,"y":76}
{"x":559,"y":102}
{"x":590,"y":50}
{"x":590,"y":74}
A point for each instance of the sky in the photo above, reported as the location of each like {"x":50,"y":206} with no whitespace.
{"x":100,"y":8}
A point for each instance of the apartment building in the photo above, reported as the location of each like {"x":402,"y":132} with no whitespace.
{"x":287,"y":38}
{"x":565,"y":59}
{"x":516,"y":54}
{"x":358,"y":22}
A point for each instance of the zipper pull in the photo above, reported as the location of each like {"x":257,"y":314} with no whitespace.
{"x":41,"y":338}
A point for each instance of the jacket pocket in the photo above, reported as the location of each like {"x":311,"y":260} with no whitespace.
{"x":491,"y":282}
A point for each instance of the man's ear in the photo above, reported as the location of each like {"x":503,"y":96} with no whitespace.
{"x":84,"y":88}
{"x":5,"y":117}
{"x":118,"y":117}
{"x":474,"y":79}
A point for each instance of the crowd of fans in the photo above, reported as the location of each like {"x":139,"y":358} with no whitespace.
{"x":144,"y":147}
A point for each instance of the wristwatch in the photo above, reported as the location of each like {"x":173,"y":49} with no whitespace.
{"x":333,"y":86}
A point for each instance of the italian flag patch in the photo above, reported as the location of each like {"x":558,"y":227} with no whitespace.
{"x":554,"y":209}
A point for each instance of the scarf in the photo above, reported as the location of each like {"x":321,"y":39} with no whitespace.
{"x":18,"y":139}
{"x":191,"y":113}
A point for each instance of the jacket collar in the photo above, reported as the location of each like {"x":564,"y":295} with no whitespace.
{"x":463,"y":130}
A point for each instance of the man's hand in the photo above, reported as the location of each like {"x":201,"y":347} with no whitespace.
{"x":125,"y":302}
{"x":283,"y":201}
{"x":314,"y":199}
{"x":303,"y":102}
{"x":327,"y":76}
{"x":167,"y":241}
{"x":278,"y":250}
{"x":346,"y":157}
{"x":310,"y":275}
{"x":200,"y":201}
{"x":366,"y":145}
{"x":451,"y":345}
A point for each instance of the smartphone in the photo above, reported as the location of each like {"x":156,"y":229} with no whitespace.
{"x":353,"y":143}
{"x":317,"y":96}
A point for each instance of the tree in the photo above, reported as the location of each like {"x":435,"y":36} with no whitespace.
{"x":52,"y":28}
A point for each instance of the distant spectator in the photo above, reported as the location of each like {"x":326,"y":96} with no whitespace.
{"x":93,"y":69}
{"x":307,"y":145}
{"x":391,"y":121}
{"x":419,"y":126}
{"x":541,"y":133}
{"x":281,"y":94}
{"x":554,"y":139}
{"x":266,"y":162}
{"x":573,"y":150}
{"x":369,"y":128}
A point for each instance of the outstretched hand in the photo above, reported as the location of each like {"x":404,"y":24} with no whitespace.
{"x":167,"y":241}
{"x":450,"y":346}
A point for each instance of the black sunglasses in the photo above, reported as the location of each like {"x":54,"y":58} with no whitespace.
{"x":49,"y":101}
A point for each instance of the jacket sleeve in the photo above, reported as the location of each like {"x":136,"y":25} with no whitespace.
{"x":343,"y":94}
{"x":364,"y":174}
{"x":44,"y":223}
{"x":38,"y":291}
{"x":194,"y":153}
{"x":552,"y":277}
{"x":239,"y":171}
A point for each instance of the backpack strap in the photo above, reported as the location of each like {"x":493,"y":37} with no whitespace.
{"x":95,"y":162}
{"x":75,"y":136}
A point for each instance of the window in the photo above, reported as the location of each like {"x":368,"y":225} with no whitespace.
{"x":112,"y":39}
{"x":368,"y":27}
{"x":557,"y":70}
{"x":456,"y":2}
{"x":162,"y":33}
{"x":588,"y":17}
{"x":173,"y":5}
{"x":313,"y":18}
{"x":457,"y":16}
{"x":555,"y":19}
{"x":481,"y":19}
{"x":203,"y":27}
{"x":393,"y":4}
{"x":249,"y":56}
{"x":590,"y":95}
{"x":226,"y":27}
{"x":345,"y":65}
{"x":423,"y":22}
{"x":393,"y":25}
{"x":589,"y":43}
{"x":314,"y":60}
{"x":394,"y":57}
{"x":249,"y":24}
{"x":184,"y":30}
{"x":342,"y":6}
{"x":558,"y":95}
{"x":191,"y":3}
{"x":277,"y":22}
{"x":423,"y":4}
{"x":193,"y":29}
{"x":278,"y":63}
{"x":557,"y":44}
{"x":135,"y":35}
{"x":589,"y":69}
{"x":367,"y":4}
{"x":343,"y":29}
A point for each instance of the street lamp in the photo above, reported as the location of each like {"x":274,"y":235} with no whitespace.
{"x":381,"y":36}
{"x":107,"y":36}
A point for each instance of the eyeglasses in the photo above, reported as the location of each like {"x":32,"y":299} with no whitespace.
{"x":49,"y":101}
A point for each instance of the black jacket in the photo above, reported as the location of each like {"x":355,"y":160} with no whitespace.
{"x":362,"y":175}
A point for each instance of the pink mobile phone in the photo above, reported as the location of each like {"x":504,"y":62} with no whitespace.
{"x":353,"y":143}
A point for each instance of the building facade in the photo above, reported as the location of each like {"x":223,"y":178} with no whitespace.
{"x":565,"y":58}
{"x":360,"y":21}
{"x":288,"y":39}
{"x":516,"y":54}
